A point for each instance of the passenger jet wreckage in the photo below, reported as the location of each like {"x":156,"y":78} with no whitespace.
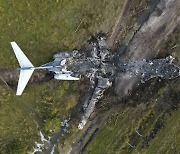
{"x":99,"y":65}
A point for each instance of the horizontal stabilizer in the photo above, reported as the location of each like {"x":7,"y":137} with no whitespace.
{"x":23,"y":80}
{"x":26,"y":68}
{"x":21,"y":57}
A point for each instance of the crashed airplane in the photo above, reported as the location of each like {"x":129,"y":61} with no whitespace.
{"x":99,"y":65}
{"x":26,"y":67}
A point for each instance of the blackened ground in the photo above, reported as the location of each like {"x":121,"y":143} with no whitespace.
{"x":10,"y":76}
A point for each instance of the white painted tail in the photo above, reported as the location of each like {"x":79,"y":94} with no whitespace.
{"x":25,"y":73}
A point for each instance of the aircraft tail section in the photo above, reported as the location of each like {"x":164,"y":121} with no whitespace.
{"x":23,"y":80}
{"x":25,"y":73}
{"x":21,"y":57}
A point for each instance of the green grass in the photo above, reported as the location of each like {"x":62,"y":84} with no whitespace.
{"x":41,"y":103}
{"x":42,"y":28}
{"x":168,"y":139}
{"x":119,"y":129}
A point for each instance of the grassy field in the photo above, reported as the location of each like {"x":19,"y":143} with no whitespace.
{"x":155,"y":118}
{"x":45,"y":27}
{"x":42,"y":28}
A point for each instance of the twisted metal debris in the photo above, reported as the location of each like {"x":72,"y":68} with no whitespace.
{"x":101,"y":67}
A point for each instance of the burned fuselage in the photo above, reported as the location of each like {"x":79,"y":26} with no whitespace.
{"x":102,"y":66}
{"x":100,"y":62}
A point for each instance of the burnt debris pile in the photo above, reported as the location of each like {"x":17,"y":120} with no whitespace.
{"x":101,"y":66}
{"x":101,"y":63}
{"x":145,"y":70}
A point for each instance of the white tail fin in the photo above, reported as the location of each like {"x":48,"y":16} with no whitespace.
{"x":21,"y":57}
{"x":23,"y":80}
{"x":24,"y":63}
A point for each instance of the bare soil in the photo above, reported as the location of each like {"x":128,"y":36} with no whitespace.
{"x":9,"y":77}
{"x":146,"y":43}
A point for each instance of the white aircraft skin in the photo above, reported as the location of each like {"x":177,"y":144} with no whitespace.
{"x":27,"y":68}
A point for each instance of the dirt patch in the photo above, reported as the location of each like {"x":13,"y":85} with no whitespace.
{"x":10,"y":77}
{"x":117,"y":26}
{"x":146,"y":43}
{"x":155,"y":30}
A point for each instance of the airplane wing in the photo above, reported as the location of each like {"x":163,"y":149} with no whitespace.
{"x":23,"y":80}
{"x":60,"y":76}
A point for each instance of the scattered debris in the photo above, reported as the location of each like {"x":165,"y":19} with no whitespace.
{"x":130,"y":145}
{"x":137,"y":132}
